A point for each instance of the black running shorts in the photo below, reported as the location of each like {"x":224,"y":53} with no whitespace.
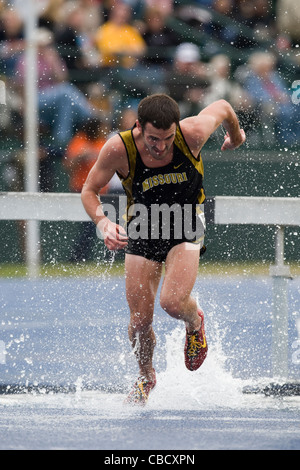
{"x":156,"y":250}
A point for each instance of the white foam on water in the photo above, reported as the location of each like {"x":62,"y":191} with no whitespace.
{"x":210,"y":386}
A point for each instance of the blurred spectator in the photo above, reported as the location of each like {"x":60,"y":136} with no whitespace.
{"x":269,"y":95}
{"x":166,"y":7}
{"x":161,"y":42}
{"x":221,"y":85}
{"x":255,"y":15}
{"x":288,"y":18}
{"x":211,"y":23}
{"x":61,"y":105}
{"x":258,"y":16}
{"x":264,"y":12}
{"x":224,"y":7}
{"x":93,"y":14}
{"x":140,"y":6}
{"x":82,"y":152}
{"x":126,"y":120}
{"x":11,"y":114}
{"x":287,"y":50}
{"x":101,"y":100}
{"x":119,"y":43}
{"x":68,"y":37}
{"x":254,"y":12}
{"x":224,"y":32}
{"x":159,"y":37}
{"x":11,"y":40}
{"x":81,"y":155}
{"x":73,"y":34}
{"x":193,"y":15}
{"x":246,"y":12}
{"x":187,"y":81}
{"x":187,"y":60}
{"x":122,"y":48}
{"x":137,"y":8}
{"x":50,"y":17}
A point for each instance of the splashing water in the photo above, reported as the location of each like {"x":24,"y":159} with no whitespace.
{"x":210,"y":386}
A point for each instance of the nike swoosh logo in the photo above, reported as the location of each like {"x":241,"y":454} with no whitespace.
{"x":175,"y":167}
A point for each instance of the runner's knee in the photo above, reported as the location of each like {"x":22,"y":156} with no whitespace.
{"x":173,"y":305}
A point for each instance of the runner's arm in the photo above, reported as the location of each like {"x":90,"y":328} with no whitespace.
{"x":198,"y":129}
{"x":111,"y":159}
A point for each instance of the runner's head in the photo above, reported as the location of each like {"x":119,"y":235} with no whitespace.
{"x":159,"y":110}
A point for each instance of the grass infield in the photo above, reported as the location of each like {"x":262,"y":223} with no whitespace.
{"x":90,"y":269}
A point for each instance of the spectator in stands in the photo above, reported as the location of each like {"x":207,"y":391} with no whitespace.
{"x":264,"y":13}
{"x":166,"y":7}
{"x":221,"y":85}
{"x":227,"y":32}
{"x":137,"y":8}
{"x":140,"y":6}
{"x":224,"y":7}
{"x":81,"y":154}
{"x":74,"y":33}
{"x":122,"y":48}
{"x":50,"y":16}
{"x":93,"y":14}
{"x":258,"y":16}
{"x":187,"y":80}
{"x":231,"y":32}
{"x":11,"y":115}
{"x":254,"y":12}
{"x":126,"y":120}
{"x":119,"y":42}
{"x":101,"y":100}
{"x":288,"y":18}
{"x":11,"y":40}
{"x":269,"y":94}
{"x":159,"y":37}
{"x":68,"y":38}
{"x":161,"y":42}
{"x":61,"y":105}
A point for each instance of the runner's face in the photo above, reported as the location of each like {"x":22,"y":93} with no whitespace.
{"x":158,"y":141}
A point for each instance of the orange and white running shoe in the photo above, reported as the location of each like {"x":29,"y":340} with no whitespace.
{"x":195,"y":350}
{"x":140,"y":391}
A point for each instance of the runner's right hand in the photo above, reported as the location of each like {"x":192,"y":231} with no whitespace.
{"x":114,"y":236}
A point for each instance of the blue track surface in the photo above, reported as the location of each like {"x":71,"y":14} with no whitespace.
{"x":73,"y":333}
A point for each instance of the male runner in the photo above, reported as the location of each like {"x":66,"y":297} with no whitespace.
{"x":159,"y":162}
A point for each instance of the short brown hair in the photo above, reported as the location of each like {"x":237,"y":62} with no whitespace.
{"x":160,"y":110}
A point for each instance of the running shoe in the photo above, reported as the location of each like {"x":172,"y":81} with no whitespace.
{"x":195,"y":350}
{"x":140,"y":391}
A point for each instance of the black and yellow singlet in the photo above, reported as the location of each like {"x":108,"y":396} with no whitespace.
{"x":176,"y":185}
